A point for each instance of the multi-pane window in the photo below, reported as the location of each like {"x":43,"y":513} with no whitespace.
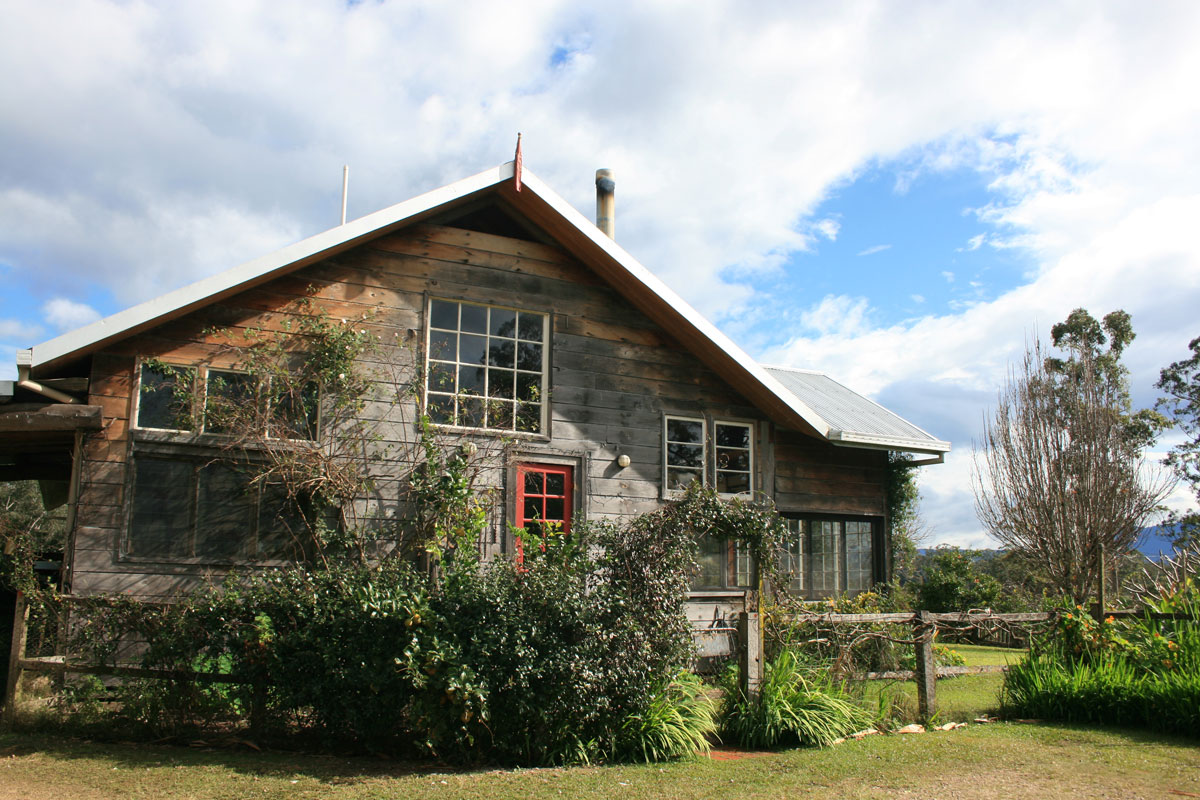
{"x":544,"y":496}
{"x":191,"y":509}
{"x":828,"y":556}
{"x":734,"y":457}
{"x":486,"y":367}
{"x":231,"y":401}
{"x":723,"y":564}
{"x":684,"y":446}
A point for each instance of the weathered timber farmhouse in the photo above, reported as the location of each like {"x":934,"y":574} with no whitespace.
{"x":525,"y":324}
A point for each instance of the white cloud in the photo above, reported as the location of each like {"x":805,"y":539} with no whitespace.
{"x":66,"y":314}
{"x":948,"y":275}
{"x":837,"y":315}
{"x":13,"y":329}
{"x":975,"y":242}
{"x":827,"y":228}
{"x":917,"y":298}
{"x":870,"y":251}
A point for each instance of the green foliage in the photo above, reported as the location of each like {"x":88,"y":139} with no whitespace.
{"x":575,"y":655}
{"x":1141,"y":672}
{"x":26,"y":530}
{"x":793,"y":706}
{"x":951,"y":582}
{"x":677,"y":720}
{"x":1180,"y":384}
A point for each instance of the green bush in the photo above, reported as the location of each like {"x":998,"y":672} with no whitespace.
{"x":793,"y":706}
{"x":1143,"y":673}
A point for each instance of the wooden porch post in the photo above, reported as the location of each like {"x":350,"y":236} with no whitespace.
{"x":15,"y":654}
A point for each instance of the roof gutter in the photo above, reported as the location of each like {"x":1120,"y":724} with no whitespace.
{"x":24,"y":361}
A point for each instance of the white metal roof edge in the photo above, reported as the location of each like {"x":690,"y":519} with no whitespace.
{"x":677,"y":303}
{"x":941,"y":445}
{"x":195,"y":293}
{"x":902,"y":443}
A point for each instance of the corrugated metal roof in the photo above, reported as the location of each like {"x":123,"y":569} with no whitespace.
{"x":851,"y":417}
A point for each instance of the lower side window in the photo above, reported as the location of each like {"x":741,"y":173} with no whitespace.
{"x":723,"y":564}
{"x":828,"y":556}
{"x":184,"y":509}
{"x":544,"y":493}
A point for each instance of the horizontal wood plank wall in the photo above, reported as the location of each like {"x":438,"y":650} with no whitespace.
{"x":817,"y":477}
{"x":614,"y":374}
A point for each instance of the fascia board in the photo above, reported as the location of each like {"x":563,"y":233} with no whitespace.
{"x":206,"y":290}
{"x":654,"y":285}
{"x":851,"y":439}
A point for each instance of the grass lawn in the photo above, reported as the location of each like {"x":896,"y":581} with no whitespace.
{"x":977,"y":655}
{"x":1010,"y":760}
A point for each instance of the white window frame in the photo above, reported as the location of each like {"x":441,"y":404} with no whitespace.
{"x":667,"y":418}
{"x":543,"y":431}
{"x":751,"y":429}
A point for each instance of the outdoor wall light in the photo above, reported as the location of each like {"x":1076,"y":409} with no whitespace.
{"x":622,"y":461}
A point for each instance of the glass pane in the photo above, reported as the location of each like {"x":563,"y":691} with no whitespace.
{"x":710,"y":564}
{"x":441,"y":409}
{"x":500,"y":353}
{"x":555,"y":483}
{"x":743,"y":571}
{"x":472,"y":349}
{"x":503,"y":323}
{"x":681,"y":478}
{"x":162,"y":506}
{"x":733,"y":436}
{"x":531,"y":326}
{"x":683,"y":430}
{"x":441,"y":378}
{"x":529,"y":387}
{"x":533,"y":482}
{"x":532,"y":509}
{"x":295,"y":415}
{"x":228,"y":399}
{"x":733,"y":482}
{"x":794,"y":559}
{"x":529,"y":356}
{"x":470,"y":380}
{"x":733,"y":459}
{"x":470,"y":412}
{"x":529,"y":417}
{"x":555,"y":508}
{"x":685,"y":455}
{"x":500,"y":414}
{"x":224,"y":514}
{"x":500,"y":383}
{"x":281,"y":526}
{"x":165,"y":398}
{"x":474,"y":319}
{"x":443,"y":314}
{"x":443,"y":346}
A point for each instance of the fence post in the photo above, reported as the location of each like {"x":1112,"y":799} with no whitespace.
{"x":15,"y":654}
{"x":258,"y":708}
{"x":926,"y":668}
{"x":749,"y":654}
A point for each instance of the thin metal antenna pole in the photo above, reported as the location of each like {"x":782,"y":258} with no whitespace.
{"x":345,"y":186}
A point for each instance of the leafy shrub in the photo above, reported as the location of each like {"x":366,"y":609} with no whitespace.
{"x":952,"y":583}
{"x":1144,"y":673}
{"x":792,"y":707}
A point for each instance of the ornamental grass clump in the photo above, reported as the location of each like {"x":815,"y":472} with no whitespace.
{"x":678,"y":720}
{"x":793,"y":706}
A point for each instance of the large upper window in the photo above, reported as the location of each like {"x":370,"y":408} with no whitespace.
{"x":486,"y":367}
{"x":827,"y":556}
{"x":191,"y":509}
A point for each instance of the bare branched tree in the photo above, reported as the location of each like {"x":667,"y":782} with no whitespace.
{"x":1059,"y":473}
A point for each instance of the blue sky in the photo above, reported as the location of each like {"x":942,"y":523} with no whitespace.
{"x":900,"y":195}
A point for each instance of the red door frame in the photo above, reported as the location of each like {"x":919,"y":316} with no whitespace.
{"x":568,"y":492}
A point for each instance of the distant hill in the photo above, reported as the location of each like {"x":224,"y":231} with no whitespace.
{"x":1156,"y":541}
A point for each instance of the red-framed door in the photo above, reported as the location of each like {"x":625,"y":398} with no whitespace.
{"x":544,"y":493}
